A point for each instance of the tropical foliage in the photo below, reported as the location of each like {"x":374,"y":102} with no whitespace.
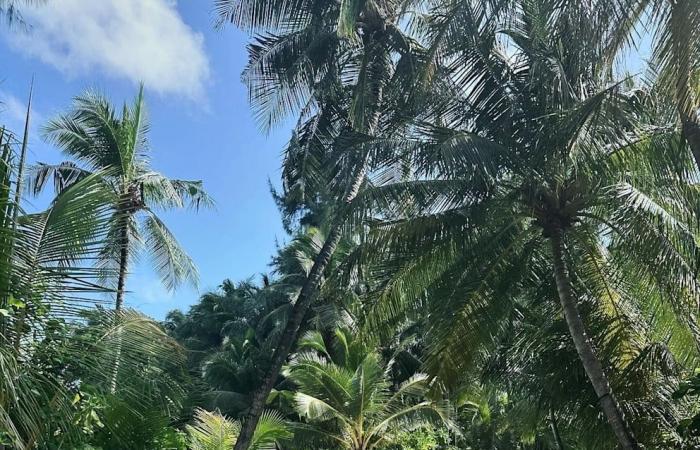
{"x":11,"y":12}
{"x":344,"y":393}
{"x":493,"y":243}
{"x":212,"y":431}
{"x":60,"y":345}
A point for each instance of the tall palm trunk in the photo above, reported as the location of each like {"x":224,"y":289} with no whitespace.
{"x":590,"y":361}
{"x":121,"y":283}
{"x":301,"y":307}
{"x":123,"y":263}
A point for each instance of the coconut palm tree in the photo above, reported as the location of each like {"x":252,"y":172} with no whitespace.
{"x":335,"y":65}
{"x":669,"y":28}
{"x":533,"y":157}
{"x":532,"y":361}
{"x":212,"y":431}
{"x":99,"y":139}
{"x":47,"y":280}
{"x":230,"y":335}
{"x":344,"y":394}
{"x":41,"y":255}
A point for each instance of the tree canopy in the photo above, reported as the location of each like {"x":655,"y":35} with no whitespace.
{"x":493,"y":229}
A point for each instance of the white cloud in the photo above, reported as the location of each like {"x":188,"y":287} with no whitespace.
{"x":140,"y":40}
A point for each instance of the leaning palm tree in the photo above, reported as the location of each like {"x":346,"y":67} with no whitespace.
{"x":99,"y":139}
{"x":532,"y":156}
{"x":333,"y":64}
{"x":344,"y":393}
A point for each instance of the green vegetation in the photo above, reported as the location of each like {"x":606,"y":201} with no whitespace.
{"x":493,"y":244}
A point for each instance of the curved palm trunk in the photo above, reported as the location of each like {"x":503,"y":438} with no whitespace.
{"x":288,"y":338}
{"x":591,"y":364}
{"x":301,"y":307}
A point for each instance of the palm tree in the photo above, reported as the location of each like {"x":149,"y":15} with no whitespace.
{"x":230,"y":335}
{"x":673,"y":26}
{"x":47,"y":279}
{"x":212,"y":431}
{"x":344,"y":393}
{"x":44,"y":279}
{"x":531,"y":155}
{"x":532,"y":361}
{"x":81,"y":354}
{"x":333,"y":64}
{"x":99,"y":140}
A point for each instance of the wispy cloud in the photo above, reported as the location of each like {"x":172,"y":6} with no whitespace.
{"x":146,"y":289}
{"x":140,"y":40}
{"x":12,"y":109}
{"x":13,"y":112}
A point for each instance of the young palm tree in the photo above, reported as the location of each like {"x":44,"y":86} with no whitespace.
{"x":42,"y":257}
{"x":344,"y":393}
{"x":212,"y":431}
{"x":101,"y":140}
{"x":532,"y":158}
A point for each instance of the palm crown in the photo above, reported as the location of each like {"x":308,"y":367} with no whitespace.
{"x":344,"y":393}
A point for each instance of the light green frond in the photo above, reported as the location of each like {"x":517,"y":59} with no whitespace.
{"x":212,"y":431}
{"x":271,"y":431}
{"x":169,"y":259}
{"x":162,"y":192}
{"x":314,"y":408}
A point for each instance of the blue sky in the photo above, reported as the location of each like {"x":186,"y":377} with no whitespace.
{"x":201,"y":123}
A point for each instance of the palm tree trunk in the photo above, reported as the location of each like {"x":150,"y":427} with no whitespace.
{"x":691,"y":133}
{"x":123,"y":262}
{"x":121,"y":283}
{"x":591,"y":364}
{"x":555,"y":429}
{"x":301,"y":307}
